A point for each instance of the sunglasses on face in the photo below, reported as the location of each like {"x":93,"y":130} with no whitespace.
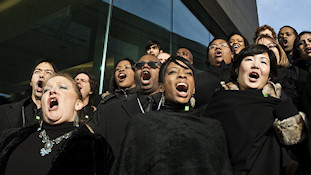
{"x":151,"y":64}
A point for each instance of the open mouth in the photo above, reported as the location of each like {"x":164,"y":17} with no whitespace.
{"x":253,"y":76}
{"x":53,"y":104}
{"x":308,"y":50}
{"x":121,"y":77}
{"x":182,"y":89}
{"x":40,"y":85}
{"x":218,"y":53}
{"x":145,"y":77}
{"x":285,"y":42}
{"x":236,"y":46}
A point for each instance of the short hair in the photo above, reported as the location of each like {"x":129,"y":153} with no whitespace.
{"x":296,"y":52}
{"x":92,"y":80}
{"x":174,"y":59}
{"x":191,"y":55}
{"x":246,"y":43}
{"x":231,"y":49}
{"x":45,"y":60}
{"x":262,"y":28}
{"x":252,"y":50}
{"x":294,"y":30}
{"x":283,"y":57}
{"x":150,"y":43}
{"x":113,"y":84}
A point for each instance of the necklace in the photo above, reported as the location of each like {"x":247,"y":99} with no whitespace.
{"x":50,"y":143}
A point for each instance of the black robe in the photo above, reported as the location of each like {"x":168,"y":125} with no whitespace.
{"x":173,"y":142}
{"x":118,"y":95}
{"x":208,"y":82}
{"x":247,"y":118}
{"x":82,"y":153}
{"x":110,"y":119}
{"x":293,"y":80}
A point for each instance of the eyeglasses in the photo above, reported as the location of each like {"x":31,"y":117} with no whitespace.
{"x":151,"y":64}
{"x":216,"y":45}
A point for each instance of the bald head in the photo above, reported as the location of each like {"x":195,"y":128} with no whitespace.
{"x":185,"y":53}
{"x":163,"y":57}
{"x":149,"y":57}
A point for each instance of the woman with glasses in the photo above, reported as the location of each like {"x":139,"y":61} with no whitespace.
{"x":249,"y":109}
{"x":290,"y":77}
{"x":122,"y":84}
{"x":174,"y":140}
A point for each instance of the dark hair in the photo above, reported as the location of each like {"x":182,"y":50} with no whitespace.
{"x":44,"y":61}
{"x":246,"y":43}
{"x":113,"y":85}
{"x":262,"y":28}
{"x":92,"y":80}
{"x":296,"y":52}
{"x":252,"y":50}
{"x":231,"y":49}
{"x":150,"y":43}
{"x":295,"y":31}
{"x":191,"y":55}
{"x":174,"y":59}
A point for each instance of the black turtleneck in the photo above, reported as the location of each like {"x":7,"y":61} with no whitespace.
{"x":176,"y":107}
{"x":26,"y":158}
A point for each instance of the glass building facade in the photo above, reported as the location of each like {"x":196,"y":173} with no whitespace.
{"x":74,"y":35}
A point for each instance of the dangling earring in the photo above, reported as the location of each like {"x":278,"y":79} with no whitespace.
{"x":162,"y":99}
{"x":40,"y":126}
{"x":192,"y":101}
{"x":237,"y":80}
{"x":76,"y":122}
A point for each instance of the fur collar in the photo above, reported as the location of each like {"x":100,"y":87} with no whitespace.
{"x":270,"y":89}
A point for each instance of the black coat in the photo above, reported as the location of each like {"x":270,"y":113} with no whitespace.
{"x":306,"y":103}
{"x":208,"y":81}
{"x":303,"y":64}
{"x":110,"y":119}
{"x":293,"y":80}
{"x":247,"y":118}
{"x":173,"y":142}
{"x":118,"y":95}
{"x":18,"y":114}
{"x":82,"y":153}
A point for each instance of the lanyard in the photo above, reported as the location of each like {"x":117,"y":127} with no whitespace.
{"x":142,"y":109}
